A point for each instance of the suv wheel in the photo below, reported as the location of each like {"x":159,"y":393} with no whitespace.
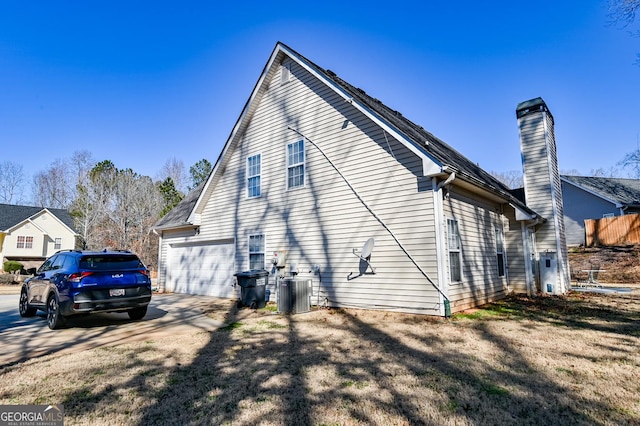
{"x":23,"y":307}
{"x":137,"y":313}
{"x":55,"y":319}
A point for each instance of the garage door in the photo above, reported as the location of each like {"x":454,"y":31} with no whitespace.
{"x":204,"y":268}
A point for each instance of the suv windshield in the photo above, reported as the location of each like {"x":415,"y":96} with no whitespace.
{"x":109,"y":262}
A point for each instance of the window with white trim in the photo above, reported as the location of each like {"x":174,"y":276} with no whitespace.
{"x":57,"y":243}
{"x":455,"y":257}
{"x":500,"y":252}
{"x":295,"y":164}
{"x":253,"y":176}
{"x":24,"y":242}
{"x":256,"y":251}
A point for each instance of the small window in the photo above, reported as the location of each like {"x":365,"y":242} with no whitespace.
{"x":500,"y":252}
{"x":455,"y":258}
{"x":608,"y":215}
{"x":253,"y":176}
{"x":57,"y":245}
{"x":256,"y":251}
{"x":24,"y":242}
{"x":295,"y":164}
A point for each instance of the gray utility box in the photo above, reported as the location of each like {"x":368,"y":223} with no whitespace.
{"x":253,"y":286}
{"x":294,"y":295}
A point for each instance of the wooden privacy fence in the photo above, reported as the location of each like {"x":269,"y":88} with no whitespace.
{"x":613,"y":231}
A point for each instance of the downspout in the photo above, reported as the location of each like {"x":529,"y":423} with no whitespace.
{"x":441,"y":248}
{"x":384,"y":225}
{"x":159,"y":262}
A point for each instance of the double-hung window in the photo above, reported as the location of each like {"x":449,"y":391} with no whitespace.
{"x":57,"y":244}
{"x":500,"y":252}
{"x":253,"y":176}
{"x":455,"y":258}
{"x":24,"y":242}
{"x":256,"y":251}
{"x":295,"y":164}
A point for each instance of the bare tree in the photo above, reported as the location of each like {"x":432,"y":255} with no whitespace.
{"x":513,"y":179}
{"x":631,"y":162}
{"x":570,"y":172}
{"x":177,"y":171}
{"x":118,"y":209}
{"x":53,"y":187}
{"x":83,"y":208}
{"x":11,"y":182}
{"x":602,"y":172}
{"x":623,"y":13}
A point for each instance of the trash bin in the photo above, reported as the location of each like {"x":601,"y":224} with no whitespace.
{"x":253,"y":286}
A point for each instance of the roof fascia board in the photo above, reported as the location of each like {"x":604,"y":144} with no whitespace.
{"x":430,"y":166}
{"x":175,"y":227}
{"x":30,"y":219}
{"x":592,"y":192}
{"x":475,"y":186}
{"x":24,"y":222}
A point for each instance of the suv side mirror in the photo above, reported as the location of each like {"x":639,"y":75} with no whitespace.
{"x":31,"y":271}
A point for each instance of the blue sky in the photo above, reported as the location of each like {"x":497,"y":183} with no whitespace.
{"x":138,"y":83}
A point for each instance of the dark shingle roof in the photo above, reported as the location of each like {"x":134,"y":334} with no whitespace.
{"x":625,"y":192}
{"x":440,"y":150}
{"x":11,"y":215}
{"x":179,"y":215}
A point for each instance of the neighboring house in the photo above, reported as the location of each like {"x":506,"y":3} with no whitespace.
{"x":594,"y":198}
{"x":31,"y":234}
{"x":315,"y":167}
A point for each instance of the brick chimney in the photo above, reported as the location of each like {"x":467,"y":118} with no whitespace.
{"x":543,"y":194}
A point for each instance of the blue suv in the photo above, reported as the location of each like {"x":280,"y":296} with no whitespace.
{"x":74,"y":282}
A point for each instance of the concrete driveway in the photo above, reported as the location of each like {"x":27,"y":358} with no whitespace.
{"x":168,"y":315}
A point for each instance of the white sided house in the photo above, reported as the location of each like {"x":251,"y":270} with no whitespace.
{"x":315,"y":172}
{"x":31,"y":234}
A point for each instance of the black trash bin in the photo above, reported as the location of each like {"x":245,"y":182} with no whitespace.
{"x":253,"y":286}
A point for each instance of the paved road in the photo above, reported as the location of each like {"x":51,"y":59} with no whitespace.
{"x":168,"y":314}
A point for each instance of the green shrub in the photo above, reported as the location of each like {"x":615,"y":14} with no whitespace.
{"x":12,"y":266}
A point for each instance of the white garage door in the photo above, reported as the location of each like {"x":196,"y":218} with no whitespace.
{"x":204,"y":268}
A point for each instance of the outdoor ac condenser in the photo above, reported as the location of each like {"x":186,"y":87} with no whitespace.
{"x":294,"y":295}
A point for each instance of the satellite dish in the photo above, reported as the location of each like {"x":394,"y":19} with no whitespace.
{"x":364,"y":256}
{"x":367,"y":249}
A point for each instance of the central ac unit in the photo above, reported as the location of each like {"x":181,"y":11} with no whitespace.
{"x":294,"y":295}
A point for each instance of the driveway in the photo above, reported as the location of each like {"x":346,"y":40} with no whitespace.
{"x":168,"y":315}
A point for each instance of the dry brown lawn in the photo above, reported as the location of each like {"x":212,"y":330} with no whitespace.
{"x":571,"y":360}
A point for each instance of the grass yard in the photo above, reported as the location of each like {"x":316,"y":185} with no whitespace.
{"x":571,"y":360}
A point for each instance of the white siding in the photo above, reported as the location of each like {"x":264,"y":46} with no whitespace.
{"x":516,"y":262}
{"x":477,"y":221}
{"x":543,"y":187}
{"x":323,"y":222}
